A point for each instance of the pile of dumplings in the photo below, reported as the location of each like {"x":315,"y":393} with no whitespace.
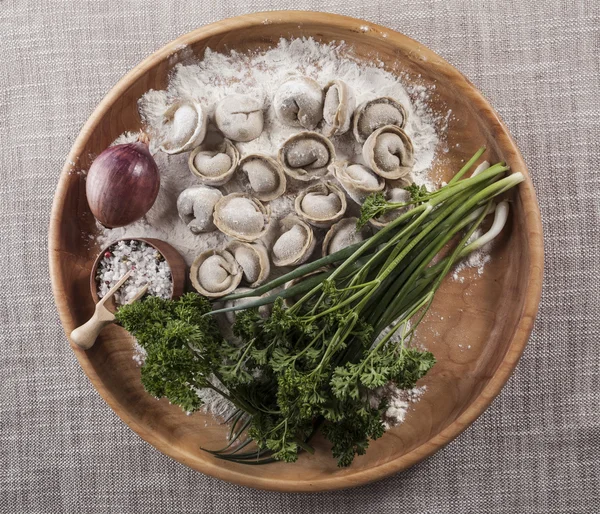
{"x":305,"y":158}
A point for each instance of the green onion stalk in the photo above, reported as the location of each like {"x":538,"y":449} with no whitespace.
{"x":342,"y":333}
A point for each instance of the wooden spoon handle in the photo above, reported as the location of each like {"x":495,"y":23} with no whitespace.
{"x":85,"y":336}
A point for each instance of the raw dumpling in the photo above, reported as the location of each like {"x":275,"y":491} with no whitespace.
{"x":395,"y":195}
{"x":239,"y":117}
{"x":377,"y":113}
{"x":358,"y":180}
{"x":195,"y":206}
{"x":389,"y":152}
{"x":265,"y":176}
{"x":338,"y":108}
{"x":295,"y":242}
{"x":291,"y":300}
{"x":254,"y":260}
{"x":263,"y":310}
{"x":215,"y":273}
{"x":343,"y":234}
{"x":306,"y":156}
{"x":241,"y":216}
{"x":185,"y":126}
{"x":321,"y":205}
{"x":214,"y":166}
{"x":299,"y":102}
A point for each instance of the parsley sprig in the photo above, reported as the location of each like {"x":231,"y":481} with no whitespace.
{"x":319,"y":363}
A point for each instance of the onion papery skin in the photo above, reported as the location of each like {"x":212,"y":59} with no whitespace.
{"x":122,"y":184}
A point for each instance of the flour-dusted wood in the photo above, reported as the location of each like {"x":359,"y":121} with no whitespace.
{"x":493,"y":314}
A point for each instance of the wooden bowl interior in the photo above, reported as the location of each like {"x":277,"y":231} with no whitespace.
{"x":476,"y":329}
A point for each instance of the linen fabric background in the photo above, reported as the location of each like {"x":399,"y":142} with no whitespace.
{"x":535,"y":450}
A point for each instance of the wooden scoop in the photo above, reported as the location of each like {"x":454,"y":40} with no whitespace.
{"x":85,"y":336}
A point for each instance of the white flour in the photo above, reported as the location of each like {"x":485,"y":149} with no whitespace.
{"x":258,"y":75}
{"x":475,"y":260}
{"x":399,"y":402}
{"x":139,"y":353}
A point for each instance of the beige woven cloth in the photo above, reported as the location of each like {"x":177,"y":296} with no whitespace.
{"x":536,"y":450}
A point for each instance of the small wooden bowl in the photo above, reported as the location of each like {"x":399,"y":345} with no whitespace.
{"x":172,"y":256}
{"x":477,"y":329}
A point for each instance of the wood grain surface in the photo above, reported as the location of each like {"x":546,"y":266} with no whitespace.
{"x":477,"y":329}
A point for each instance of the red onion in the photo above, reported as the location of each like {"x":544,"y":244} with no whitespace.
{"x":122,"y":184}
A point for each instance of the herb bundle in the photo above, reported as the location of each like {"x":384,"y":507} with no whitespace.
{"x":340,"y":333}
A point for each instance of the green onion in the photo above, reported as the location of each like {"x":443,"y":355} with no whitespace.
{"x":314,"y":365}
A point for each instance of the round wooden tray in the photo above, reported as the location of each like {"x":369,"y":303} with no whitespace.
{"x":477,"y":329}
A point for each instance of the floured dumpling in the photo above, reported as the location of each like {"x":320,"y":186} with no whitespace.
{"x":214,"y":166}
{"x":358,"y":180}
{"x":299,"y":102}
{"x":239,"y":117}
{"x":215,"y":273}
{"x":338,"y":108}
{"x":185,"y":126}
{"x":314,"y":276}
{"x":195,"y":206}
{"x":374,"y":114}
{"x":263,"y":310}
{"x":389,"y":152}
{"x":306,"y":156}
{"x":254,"y":260}
{"x":321,"y":205}
{"x":265,"y":176}
{"x":241,"y":216}
{"x":295,"y":242}
{"x":343,"y":234}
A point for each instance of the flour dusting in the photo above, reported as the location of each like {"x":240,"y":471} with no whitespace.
{"x":399,"y":402}
{"x":258,"y":75}
{"x":475,"y":260}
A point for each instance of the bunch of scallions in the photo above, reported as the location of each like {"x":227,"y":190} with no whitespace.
{"x":333,"y":339}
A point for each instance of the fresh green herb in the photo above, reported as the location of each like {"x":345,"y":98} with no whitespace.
{"x":319,"y":363}
{"x":418,"y":194}
{"x":183,"y":346}
{"x":376,"y":205}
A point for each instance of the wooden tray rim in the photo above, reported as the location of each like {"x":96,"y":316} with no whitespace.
{"x":533,"y":227}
